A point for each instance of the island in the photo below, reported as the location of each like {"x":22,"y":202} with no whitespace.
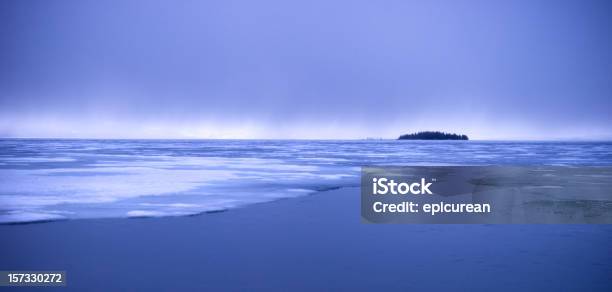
{"x":432,"y":135}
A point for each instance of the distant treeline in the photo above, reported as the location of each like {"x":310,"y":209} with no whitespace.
{"x":431,"y":135}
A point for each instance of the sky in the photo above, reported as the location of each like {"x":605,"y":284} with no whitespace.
{"x":345,"y":69}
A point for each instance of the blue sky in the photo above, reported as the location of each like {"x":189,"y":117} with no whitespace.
{"x":305,"y":69}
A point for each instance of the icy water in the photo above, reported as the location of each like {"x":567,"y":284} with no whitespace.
{"x":65,"y":179}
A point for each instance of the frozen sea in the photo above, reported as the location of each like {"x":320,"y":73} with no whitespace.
{"x":59,"y":179}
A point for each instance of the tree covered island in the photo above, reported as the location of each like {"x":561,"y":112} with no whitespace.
{"x":432,"y":135}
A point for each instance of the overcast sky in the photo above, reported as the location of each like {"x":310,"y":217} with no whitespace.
{"x":305,"y":69}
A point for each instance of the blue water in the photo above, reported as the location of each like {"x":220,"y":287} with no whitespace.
{"x":67,"y":179}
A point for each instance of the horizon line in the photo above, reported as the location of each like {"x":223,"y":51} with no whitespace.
{"x":318,"y":139}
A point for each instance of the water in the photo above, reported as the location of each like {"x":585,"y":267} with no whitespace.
{"x":68,"y":179}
